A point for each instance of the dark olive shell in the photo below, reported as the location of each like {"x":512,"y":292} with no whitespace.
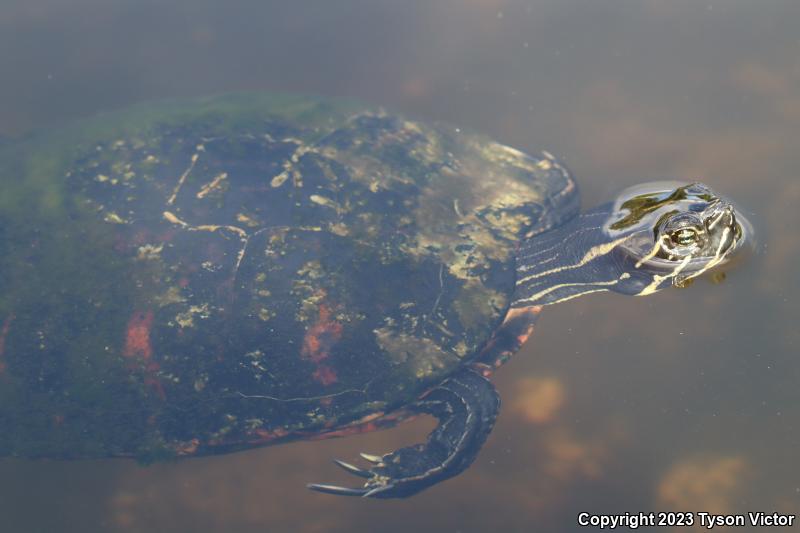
{"x":213,"y":275}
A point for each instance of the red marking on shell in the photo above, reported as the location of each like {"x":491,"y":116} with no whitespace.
{"x":325,"y":375}
{"x":256,"y":437}
{"x":3,"y":335}
{"x":517,"y":325}
{"x":138,"y":346}
{"x":266,"y":435}
{"x":320,"y":337}
{"x":187,"y":448}
{"x":58,"y":420}
{"x":483,"y":369}
{"x":318,"y":342}
{"x":526,"y":317}
{"x":137,"y":336}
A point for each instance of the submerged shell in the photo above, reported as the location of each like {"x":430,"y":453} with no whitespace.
{"x":225,"y":273}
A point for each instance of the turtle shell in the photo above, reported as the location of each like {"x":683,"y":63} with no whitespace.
{"x":219,"y":274}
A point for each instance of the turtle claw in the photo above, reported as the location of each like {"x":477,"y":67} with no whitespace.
{"x":371,"y":488}
{"x":374,"y":459}
{"x":335,"y":489}
{"x":377,"y":490}
{"x":466,"y":406}
{"x":353,"y":469}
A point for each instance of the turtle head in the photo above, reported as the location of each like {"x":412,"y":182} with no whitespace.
{"x":652,"y":236}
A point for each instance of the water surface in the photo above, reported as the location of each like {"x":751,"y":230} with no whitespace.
{"x":685,"y":401}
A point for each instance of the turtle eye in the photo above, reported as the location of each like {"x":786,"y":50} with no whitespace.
{"x":681,"y":235}
{"x":684,"y":236}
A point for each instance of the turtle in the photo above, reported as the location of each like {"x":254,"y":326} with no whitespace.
{"x":198,"y":277}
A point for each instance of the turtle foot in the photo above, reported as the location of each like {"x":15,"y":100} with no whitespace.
{"x":466,"y":406}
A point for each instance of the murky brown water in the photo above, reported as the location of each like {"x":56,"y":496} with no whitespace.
{"x":685,"y":401}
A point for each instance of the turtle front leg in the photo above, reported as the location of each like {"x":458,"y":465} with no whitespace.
{"x":466,"y":406}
